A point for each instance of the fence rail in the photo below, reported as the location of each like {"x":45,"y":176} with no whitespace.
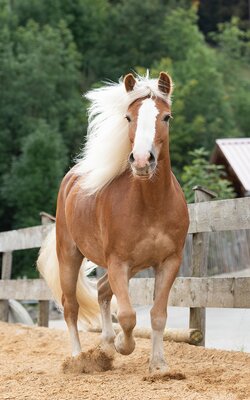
{"x":197,"y":293}
{"x":220,"y":215}
{"x":186,"y":292}
{"x":209,"y":216}
{"x":23,"y":239}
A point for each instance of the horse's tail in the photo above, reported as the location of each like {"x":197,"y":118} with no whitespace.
{"x":86,"y":293}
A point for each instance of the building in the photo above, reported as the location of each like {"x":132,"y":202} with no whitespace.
{"x":234,"y":154}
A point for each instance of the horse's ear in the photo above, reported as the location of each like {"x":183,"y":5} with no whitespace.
{"x":129,"y":82}
{"x":165,"y":83}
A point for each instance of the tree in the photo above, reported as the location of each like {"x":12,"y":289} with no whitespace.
{"x":201,"y":109}
{"x":201,"y":172}
{"x":87,"y":20}
{"x":32,"y":183}
{"x":133,"y":36}
{"x":213,"y":12}
{"x":39,"y":71}
{"x":233,"y":57}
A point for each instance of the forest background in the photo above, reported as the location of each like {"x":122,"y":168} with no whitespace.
{"x":51,"y":52}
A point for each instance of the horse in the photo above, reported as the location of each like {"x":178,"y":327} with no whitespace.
{"x":121,"y":207}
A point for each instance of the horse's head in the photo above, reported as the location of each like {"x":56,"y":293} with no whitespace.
{"x":148,"y":125}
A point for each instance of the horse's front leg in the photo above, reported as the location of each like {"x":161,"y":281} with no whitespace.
{"x":118,"y":274}
{"x":104,"y":298}
{"x":164,"y":277}
{"x":70,"y":263}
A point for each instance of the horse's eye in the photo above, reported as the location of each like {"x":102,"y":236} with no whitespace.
{"x":128,"y":118}
{"x":166,"y":118}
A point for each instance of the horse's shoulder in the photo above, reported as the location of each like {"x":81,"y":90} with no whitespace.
{"x":68,"y":182}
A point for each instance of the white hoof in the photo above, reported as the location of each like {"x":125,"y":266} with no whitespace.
{"x":158,"y":368}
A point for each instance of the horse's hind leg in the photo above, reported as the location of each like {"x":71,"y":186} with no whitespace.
{"x":164,"y":277}
{"x":104,"y":298}
{"x":118,"y":277}
{"x":70,"y":260}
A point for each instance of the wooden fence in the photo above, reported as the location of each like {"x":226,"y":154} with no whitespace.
{"x":197,"y":292}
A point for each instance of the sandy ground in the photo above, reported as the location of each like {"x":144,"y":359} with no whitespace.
{"x":31,"y":362}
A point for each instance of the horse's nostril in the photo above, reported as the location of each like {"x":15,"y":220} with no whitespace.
{"x":151,"y":157}
{"x":131,"y":158}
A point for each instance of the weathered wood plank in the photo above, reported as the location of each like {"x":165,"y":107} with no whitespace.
{"x":6,"y":265}
{"x":212,"y":216}
{"x":196,"y":292}
{"x":43,"y":309}
{"x":5,"y":274}
{"x":191,"y":336}
{"x":4,"y":310}
{"x":221,"y":215}
{"x":24,"y":289}
{"x":186,"y":292}
{"x":43,"y":314}
{"x":200,"y":243}
{"x":20,"y":239}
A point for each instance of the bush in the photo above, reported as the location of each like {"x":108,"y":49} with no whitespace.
{"x":201,"y":172}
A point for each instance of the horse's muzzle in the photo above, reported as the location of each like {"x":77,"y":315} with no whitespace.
{"x":145,"y":172}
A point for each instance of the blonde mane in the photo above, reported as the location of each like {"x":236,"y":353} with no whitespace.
{"x":105,"y":155}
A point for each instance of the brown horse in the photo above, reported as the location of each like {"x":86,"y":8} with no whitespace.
{"x":122,"y":208}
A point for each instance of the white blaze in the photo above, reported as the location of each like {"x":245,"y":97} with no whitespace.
{"x":145,"y":131}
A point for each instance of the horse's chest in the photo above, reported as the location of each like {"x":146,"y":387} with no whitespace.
{"x":153,"y":247}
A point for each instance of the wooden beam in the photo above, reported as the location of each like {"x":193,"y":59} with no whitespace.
{"x":6,"y":265}
{"x":221,"y":215}
{"x":5,"y":274}
{"x":20,"y":239}
{"x":43,"y":313}
{"x":4,"y":310}
{"x":196,"y":292}
{"x":191,"y":336}
{"x":24,"y":289}
{"x":43,"y":309}
{"x":200,"y":243}
{"x":186,"y":292}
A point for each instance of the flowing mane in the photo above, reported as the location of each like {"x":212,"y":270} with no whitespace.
{"x":106,"y":151}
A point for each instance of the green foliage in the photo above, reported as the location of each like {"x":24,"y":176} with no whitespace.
{"x":203,"y":104}
{"x":39,"y":70}
{"x":32,"y":184}
{"x":210,"y":176}
{"x":136,"y":37}
{"x":233,"y":60}
{"x":233,"y":41}
{"x":213,"y":12}
{"x":33,"y":180}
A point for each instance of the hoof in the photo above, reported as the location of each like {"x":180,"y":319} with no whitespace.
{"x":107,"y":347}
{"x":107,"y":339}
{"x":158,"y":369}
{"x":124,"y":346}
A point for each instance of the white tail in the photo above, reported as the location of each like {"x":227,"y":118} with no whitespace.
{"x":86,"y":293}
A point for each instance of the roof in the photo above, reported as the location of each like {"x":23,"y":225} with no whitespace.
{"x":237,"y":154}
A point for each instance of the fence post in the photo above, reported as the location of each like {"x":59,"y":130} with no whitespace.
{"x":43,"y":313}
{"x":197,"y":316}
{"x":6,"y":274}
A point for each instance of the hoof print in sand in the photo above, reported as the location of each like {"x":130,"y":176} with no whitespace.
{"x":93,"y":360}
{"x":164,"y":377}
